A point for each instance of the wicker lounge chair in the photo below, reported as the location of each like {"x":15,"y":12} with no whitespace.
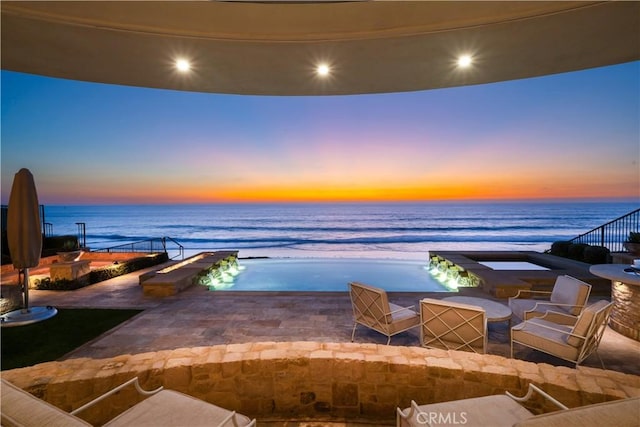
{"x":163,"y":408}
{"x":569,"y":296}
{"x":371,"y":308}
{"x":452,"y":326}
{"x":569,"y":342}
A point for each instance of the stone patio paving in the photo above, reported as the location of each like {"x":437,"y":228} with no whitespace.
{"x":198,"y":317}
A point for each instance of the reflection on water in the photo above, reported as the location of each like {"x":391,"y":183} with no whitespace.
{"x":333,"y":275}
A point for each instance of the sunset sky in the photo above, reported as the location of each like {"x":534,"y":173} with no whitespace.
{"x":573,"y":135}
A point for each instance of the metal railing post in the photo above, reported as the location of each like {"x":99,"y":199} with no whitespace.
{"x":152,"y":245}
{"x":82,"y":234}
{"x":614,"y":233}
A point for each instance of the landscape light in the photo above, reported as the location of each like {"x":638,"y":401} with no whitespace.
{"x":452,"y":284}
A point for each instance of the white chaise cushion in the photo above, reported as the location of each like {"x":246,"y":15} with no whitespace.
{"x":22,"y":409}
{"x":616,"y":413}
{"x":171,"y":408}
{"x":495,"y":411}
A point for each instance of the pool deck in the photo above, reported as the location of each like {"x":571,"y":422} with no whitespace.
{"x":198,"y":317}
{"x":503,"y":283}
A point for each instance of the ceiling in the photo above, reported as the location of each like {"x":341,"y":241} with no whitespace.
{"x":273,"y":48}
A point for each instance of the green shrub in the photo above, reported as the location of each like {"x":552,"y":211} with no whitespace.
{"x":210,"y":275}
{"x":70,"y":245}
{"x":58,"y":243}
{"x":596,"y":255}
{"x":576,"y":251}
{"x":46,"y":284}
{"x":108,"y":272}
{"x":560,"y":248}
{"x":54,"y":244}
{"x":102,"y":274}
{"x":126,"y":267}
{"x":634,"y":237}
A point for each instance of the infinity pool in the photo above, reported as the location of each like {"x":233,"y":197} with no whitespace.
{"x":331,"y":275}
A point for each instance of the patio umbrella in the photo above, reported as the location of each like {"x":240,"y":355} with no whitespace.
{"x":23,"y":227}
{"x":24,"y":236}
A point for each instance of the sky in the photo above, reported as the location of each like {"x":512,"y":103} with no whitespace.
{"x":565,"y":136}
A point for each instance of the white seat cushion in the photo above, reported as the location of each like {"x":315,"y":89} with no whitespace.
{"x":618,"y":413}
{"x":496,"y":411}
{"x":171,"y":408}
{"x":537,"y":333}
{"x":22,"y":409}
{"x":402,"y":318}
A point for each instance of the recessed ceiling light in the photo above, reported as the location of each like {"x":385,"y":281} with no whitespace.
{"x":183,"y":65}
{"x":464,"y":61}
{"x":323,"y":70}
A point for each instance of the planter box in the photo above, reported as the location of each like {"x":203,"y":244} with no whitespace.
{"x":69,"y":256}
{"x":633,"y":248}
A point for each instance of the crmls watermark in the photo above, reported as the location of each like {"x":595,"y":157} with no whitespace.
{"x":435,"y":418}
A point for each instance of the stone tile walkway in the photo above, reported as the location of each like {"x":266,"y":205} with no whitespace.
{"x":198,"y":317}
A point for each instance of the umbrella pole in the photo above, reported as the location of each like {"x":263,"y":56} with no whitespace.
{"x":25,"y":288}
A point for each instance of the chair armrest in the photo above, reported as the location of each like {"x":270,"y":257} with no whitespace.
{"x":530,"y":391}
{"x":566,"y":319}
{"x":232,"y":417}
{"x":539,"y":307}
{"x":413,"y":408}
{"x":529,"y":292}
{"x":100,"y":398}
{"x":557,"y":304}
{"x":550,"y":328}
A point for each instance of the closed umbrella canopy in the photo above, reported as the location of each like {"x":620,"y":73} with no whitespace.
{"x":24,"y":236}
{"x":23,"y":226}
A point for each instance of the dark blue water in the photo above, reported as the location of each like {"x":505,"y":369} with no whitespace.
{"x":398,"y":230}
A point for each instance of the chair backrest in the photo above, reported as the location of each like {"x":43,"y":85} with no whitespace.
{"x":370,"y":304}
{"x":590,"y":324}
{"x":571,"y":291}
{"x":452,"y":326}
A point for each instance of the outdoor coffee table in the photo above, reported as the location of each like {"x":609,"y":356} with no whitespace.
{"x":494,"y":311}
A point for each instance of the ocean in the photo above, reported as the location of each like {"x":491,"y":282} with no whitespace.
{"x":346,"y":230}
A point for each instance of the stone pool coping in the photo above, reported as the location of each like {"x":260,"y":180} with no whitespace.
{"x":177,"y":277}
{"x":506,"y":283}
{"x":314,"y":380}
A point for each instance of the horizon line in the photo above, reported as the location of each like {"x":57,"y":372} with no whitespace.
{"x":630,"y":199}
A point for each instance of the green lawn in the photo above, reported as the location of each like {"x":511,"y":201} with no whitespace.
{"x":53,"y":338}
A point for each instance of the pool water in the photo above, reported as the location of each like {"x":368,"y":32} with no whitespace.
{"x":332,"y":275}
{"x":512,"y":265}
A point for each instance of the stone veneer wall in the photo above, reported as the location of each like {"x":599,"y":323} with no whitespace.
{"x":625,"y":316}
{"x":311,"y":380}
